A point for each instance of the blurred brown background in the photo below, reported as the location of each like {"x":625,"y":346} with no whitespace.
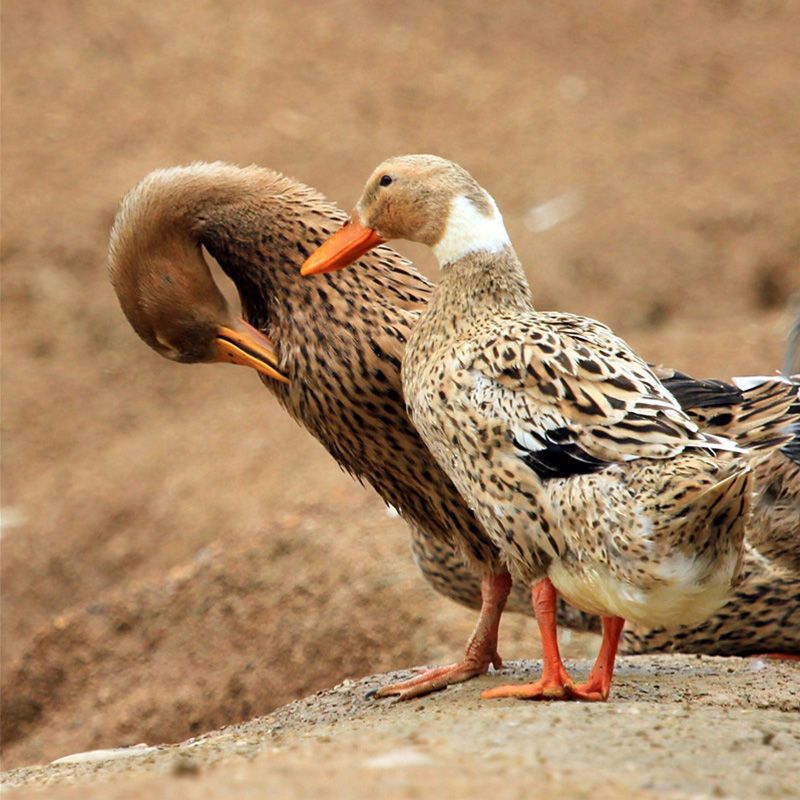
{"x":176,"y":554}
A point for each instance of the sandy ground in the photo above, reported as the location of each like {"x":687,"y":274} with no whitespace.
{"x":678,"y":726}
{"x":177,"y":556}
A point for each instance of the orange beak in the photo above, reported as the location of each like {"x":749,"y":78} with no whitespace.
{"x":347,"y":245}
{"x":246,"y":345}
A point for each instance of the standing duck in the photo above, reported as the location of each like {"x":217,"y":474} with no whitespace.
{"x":330,"y":353}
{"x":344,"y":362}
{"x":578,"y":462}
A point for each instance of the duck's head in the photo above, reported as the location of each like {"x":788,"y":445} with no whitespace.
{"x":167,"y":293}
{"x":421,"y":198}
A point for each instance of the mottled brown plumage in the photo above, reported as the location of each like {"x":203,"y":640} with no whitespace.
{"x":775,"y":524}
{"x":341,"y":342}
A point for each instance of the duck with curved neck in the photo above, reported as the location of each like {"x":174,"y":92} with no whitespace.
{"x":330,"y":353}
{"x":579,"y":463}
{"x":341,"y":344}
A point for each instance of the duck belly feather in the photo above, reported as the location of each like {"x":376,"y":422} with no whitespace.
{"x":685,"y":592}
{"x":669,"y":555}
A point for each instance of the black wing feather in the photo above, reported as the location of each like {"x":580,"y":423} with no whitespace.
{"x":559,"y":457}
{"x":694,"y":393}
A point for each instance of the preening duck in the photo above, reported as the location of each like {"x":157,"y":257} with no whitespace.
{"x":330,"y":353}
{"x":580,"y":464}
{"x":344,"y":364}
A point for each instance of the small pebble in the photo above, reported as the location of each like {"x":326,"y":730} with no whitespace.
{"x":404,"y":757}
{"x":115,"y":754}
{"x":184,"y":766}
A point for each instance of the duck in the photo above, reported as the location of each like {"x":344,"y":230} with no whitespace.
{"x":329,"y":353}
{"x":338,"y":375}
{"x":581,"y":466}
{"x":762,"y":616}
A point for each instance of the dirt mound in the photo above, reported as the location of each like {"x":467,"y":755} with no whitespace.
{"x":651,"y":740}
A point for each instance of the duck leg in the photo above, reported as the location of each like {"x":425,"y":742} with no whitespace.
{"x":599,"y":681}
{"x":481,"y":648}
{"x":555,"y":683}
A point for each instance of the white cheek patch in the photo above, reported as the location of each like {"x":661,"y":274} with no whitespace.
{"x":470,"y":231}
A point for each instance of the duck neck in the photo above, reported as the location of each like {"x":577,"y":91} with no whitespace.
{"x":478,"y":285}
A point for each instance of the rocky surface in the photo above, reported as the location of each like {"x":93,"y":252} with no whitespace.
{"x":676,"y":726}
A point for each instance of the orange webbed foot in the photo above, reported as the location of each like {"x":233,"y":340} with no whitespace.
{"x":781,"y":656}
{"x":555,"y":684}
{"x":434,"y":680}
{"x":561,"y":688}
{"x":589,"y":693}
{"x":539,"y":690}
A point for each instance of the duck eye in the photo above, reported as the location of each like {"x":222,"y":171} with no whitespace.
{"x":385,"y":180}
